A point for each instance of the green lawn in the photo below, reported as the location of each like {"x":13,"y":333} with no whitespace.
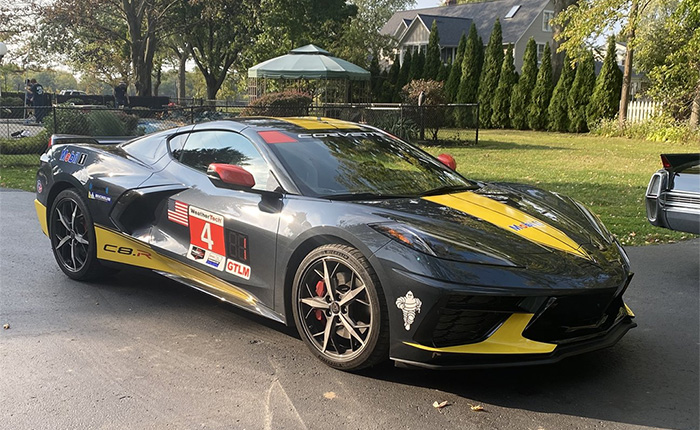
{"x":608,"y":175}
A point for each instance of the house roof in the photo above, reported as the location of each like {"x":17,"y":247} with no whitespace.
{"x":450,"y":28}
{"x":308,"y":62}
{"x":483,"y":14}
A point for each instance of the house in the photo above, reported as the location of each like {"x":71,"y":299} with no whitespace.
{"x":520,"y":20}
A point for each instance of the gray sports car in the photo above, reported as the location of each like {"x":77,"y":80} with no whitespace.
{"x":673,"y":194}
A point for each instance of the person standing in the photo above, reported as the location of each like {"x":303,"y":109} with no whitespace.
{"x":40,"y":101}
{"x":121,"y":98}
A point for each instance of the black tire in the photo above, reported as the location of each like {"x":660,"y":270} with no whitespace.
{"x":72,"y":236}
{"x":345,"y":326}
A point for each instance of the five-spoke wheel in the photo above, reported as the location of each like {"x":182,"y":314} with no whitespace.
{"x":73,"y":236}
{"x":339,"y":308}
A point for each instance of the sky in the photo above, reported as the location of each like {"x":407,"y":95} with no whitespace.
{"x":420,"y":4}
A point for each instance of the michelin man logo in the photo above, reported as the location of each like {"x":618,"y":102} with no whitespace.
{"x":410,"y":306}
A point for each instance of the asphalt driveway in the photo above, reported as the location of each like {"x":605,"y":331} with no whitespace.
{"x":140,"y":351}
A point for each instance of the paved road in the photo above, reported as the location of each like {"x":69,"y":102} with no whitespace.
{"x":139,"y":351}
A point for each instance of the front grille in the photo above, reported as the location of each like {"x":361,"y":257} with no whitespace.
{"x":465,"y":319}
{"x":573,"y":318}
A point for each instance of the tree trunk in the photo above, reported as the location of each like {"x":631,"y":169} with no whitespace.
{"x":695,"y":110}
{"x":558,"y":57}
{"x":156,"y":84}
{"x":181,"y":74}
{"x":142,"y":45}
{"x":627,"y":73}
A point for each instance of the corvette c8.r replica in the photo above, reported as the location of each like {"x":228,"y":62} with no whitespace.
{"x":372,"y":248}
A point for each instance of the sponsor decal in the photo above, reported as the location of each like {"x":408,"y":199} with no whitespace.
{"x":238,"y":269}
{"x":100,"y":197}
{"x":39,"y":186}
{"x":410,"y":306}
{"x":178,"y":212}
{"x":524,"y":225}
{"x":206,"y":257}
{"x":207,"y":230}
{"x":73,"y":157}
{"x":340,"y":134}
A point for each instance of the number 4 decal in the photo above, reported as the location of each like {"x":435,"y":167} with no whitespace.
{"x":206,"y":235}
{"x":207,"y":230}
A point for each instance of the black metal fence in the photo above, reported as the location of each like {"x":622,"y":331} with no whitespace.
{"x":24,"y":131}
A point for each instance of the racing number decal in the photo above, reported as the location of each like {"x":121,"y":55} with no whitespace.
{"x":207,"y":230}
{"x":237,"y":255}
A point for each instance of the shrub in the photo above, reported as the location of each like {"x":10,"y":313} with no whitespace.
{"x":401,"y":127}
{"x":605,"y":100}
{"x":491,"y":73}
{"x":94,"y":122}
{"x":522,"y":92}
{"x":580,"y":94}
{"x":542,"y":93}
{"x":469,"y":84}
{"x":661,"y":128}
{"x":285,"y":103}
{"x":452,"y":84}
{"x":11,"y":107}
{"x":433,"y":117}
{"x":500,"y":105}
{"x":558,"y":111}
{"x":25,"y":145}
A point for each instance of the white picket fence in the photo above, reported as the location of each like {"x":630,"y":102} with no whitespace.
{"x":640,"y":110}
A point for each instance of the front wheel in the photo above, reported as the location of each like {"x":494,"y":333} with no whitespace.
{"x":339,"y":308}
{"x":73,"y":236}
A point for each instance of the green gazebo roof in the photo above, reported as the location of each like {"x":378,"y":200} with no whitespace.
{"x":308,"y":62}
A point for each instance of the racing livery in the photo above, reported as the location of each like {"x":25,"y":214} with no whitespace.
{"x":372,"y":248}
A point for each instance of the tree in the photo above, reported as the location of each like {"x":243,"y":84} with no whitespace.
{"x":361,"y":35}
{"x":452,"y":84}
{"x":489,"y":77}
{"x":417,"y":65}
{"x":403,"y":77}
{"x":376,"y":82}
{"x":542,"y":93}
{"x":558,"y":111}
{"x":444,"y":72}
{"x":558,"y":54}
{"x":433,"y":64}
{"x":522,"y":91}
{"x":137,"y":24}
{"x":469,"y":83}
{"x":605,"y":101}
{"x":500,"y":105}
{"x":391,"y":80}
{"x":590,"y":19}
{"x":580,"y":94}
{"x":218,"y":33}
{"x":669,"y":52}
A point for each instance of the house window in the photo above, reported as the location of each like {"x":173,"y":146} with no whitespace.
{"x":547,"y":16}
{"x":540,"y":53}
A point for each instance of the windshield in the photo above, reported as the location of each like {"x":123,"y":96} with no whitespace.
{"x":351,"y":164}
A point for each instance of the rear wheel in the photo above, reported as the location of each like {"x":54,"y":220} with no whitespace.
{"x":339,"y":308}
{"x":73,"y":236}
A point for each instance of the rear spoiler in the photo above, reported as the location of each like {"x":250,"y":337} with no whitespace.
{"x":61,"y":139}
{"x":672,"y":162}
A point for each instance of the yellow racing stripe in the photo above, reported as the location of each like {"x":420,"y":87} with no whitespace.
{"x":41,"y":214}
{"x":319,"y":123}
{"x":508,"y":339}
{"x":511,"y":219}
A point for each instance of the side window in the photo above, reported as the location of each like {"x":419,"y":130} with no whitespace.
{"x":176,"y":143}
{"x":206,"y":147}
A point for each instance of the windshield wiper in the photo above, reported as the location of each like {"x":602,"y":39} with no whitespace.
{"x":364,"y":196}
{"x":447,"y":189}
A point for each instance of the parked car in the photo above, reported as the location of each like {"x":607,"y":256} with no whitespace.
{"x":673,"y":194}
{"x":372,"y":248}
{"x":72,"y":93}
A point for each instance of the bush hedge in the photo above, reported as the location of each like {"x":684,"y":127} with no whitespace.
{"x":285,"y":103}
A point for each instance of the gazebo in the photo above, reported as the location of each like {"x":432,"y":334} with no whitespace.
{"x":313,"y":70}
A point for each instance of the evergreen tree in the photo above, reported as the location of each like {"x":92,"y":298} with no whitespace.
{"x":403,"y":77}
{"x":558,"y":111}
{"x":452,"y":84}
{"x":376,"y":82}
{"x":500,"y":104}
{"x":432,"y":58}
{"x":444,"y":72}
{"x":493,"y":62}
{"x":580,"y":94}
{"x":605,"y":101}
{"x":522,"y":91}
{"x":388,"y":88}
{"x":417,"y":66}
{"x":469,"y":83}
{"x":542,"y":93}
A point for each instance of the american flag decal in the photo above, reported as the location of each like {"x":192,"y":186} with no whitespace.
{"x":178,"y":212}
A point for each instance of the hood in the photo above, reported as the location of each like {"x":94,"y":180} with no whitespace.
{"x":508,"y":222}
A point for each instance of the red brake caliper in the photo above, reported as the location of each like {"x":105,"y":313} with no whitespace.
{"x":320,"y":291}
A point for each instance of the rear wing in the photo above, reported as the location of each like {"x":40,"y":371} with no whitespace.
{"x":61,"y":139}
{"x":673,"y":162}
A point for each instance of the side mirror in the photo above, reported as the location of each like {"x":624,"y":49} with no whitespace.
{"x":230,"y":176}
{"x":448,"y":161}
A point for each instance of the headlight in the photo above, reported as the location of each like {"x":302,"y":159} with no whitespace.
{"x":438,"y":245}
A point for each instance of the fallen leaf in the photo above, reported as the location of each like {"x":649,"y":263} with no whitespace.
{"x":477,"y":408}
{"x":440,"y":405}
{"x":330,"y":395}
{"x":6,"y":326}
